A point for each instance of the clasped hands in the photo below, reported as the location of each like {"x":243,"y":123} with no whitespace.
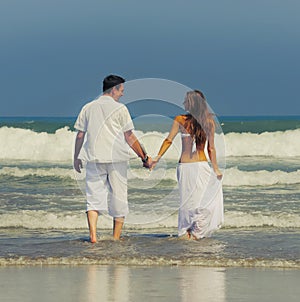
{"x":151,"y":163}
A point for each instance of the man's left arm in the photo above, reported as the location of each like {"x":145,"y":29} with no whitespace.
{"x":78,"y":145}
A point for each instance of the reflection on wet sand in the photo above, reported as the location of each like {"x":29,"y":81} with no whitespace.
{"x":106,"y":283}
{"x":100,"y":283}
{"x":123,"y":283}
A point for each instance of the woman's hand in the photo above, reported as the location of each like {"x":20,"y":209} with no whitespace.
{"x":154,"y":162}
{"x":219,"y":174}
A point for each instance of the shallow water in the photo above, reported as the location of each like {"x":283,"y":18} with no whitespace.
{"x":42,"y":205}
{"x":227,"y":248}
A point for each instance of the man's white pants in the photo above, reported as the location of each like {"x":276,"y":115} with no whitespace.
{"x":106,"y":188}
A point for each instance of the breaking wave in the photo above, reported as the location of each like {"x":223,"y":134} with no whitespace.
{"x":233,"y":177}
{"x":25,"y":144}
{"x":31,"y":219}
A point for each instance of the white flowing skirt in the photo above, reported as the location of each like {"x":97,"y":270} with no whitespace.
{"x":201,"y":209}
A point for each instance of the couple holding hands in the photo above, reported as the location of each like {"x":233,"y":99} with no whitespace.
{"x":99,"y":143}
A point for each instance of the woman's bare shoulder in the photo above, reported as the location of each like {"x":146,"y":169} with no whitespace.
{"x":180,"y":118}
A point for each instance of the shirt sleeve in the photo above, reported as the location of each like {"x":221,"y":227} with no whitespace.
{"x":81,"y":122}
{"x":127,"y":123}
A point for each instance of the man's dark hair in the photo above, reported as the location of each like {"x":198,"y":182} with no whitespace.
{"x":111,"y":81}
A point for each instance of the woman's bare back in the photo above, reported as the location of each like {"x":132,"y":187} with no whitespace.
{"x":189,"y":153}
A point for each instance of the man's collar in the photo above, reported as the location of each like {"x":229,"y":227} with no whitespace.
{"x":107,"y":97}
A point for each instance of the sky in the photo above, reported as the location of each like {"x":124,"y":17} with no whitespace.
{"x":244,"y":55}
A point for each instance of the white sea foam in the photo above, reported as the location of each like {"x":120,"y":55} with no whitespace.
{"x":39,"y":172}
{"x":235,"y":219}
{"x":233,"y":177}
{"x":136,"y":261}
{"x":45,"y":220}
{"x":71,"y":220}
{"x":24,"y":144}
{"x":277,"y":144}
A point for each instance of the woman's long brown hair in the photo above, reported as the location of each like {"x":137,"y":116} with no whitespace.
{"x":199,"y":120}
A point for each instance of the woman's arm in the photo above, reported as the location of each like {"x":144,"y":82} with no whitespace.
{"x":212,"y":153}
{"x":168,"y":141}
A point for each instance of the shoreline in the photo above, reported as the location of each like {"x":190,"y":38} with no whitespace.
{"x":244,"y":248}
{"x":161,"y":262}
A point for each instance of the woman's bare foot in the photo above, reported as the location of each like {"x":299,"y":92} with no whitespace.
{"x":186,"y":236}
{"x":192,"y":236}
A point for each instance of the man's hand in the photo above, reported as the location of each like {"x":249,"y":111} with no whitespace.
{"x":77,"y":165}
{"x":148,"y":163}
{"x":78,"y":144}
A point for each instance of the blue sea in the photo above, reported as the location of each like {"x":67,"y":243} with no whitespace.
{"x":42,"y":203}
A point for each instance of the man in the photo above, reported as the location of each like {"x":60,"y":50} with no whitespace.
{"x":104,"y":127}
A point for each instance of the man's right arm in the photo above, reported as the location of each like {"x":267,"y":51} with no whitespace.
{"x":78,"y":144}
{"x":135,"y":145}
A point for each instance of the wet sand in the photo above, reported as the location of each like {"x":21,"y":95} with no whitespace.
{"x":147,"y":283}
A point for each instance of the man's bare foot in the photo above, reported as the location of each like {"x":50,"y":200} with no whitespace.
{"x":117,"y":228}
{"x":92,"y":221}
{"x":118,"y":239}
{"x":93,"y":238}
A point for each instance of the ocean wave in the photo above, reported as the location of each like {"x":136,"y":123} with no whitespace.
{"x":39,"y":219}
{"x":233,"y":177}
{"x":38,"y":172}
{"x":25,"y":144}
{"x":238,"y":219}
{"x":277,"y":144}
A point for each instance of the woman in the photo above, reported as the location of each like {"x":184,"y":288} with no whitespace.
{"x":201,"y":196}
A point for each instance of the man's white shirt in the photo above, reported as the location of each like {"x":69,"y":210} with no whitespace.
{"x":104,"y":120}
